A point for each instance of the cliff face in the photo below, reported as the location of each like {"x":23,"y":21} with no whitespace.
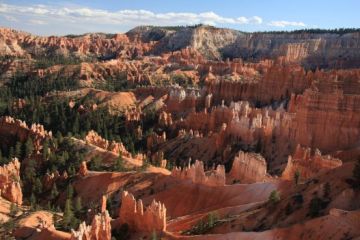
{"x":327,"y":114}
{"x":132,"y":212}
{"x":13,"y":130}
{"x":308,"y":164}
{"x":95,"y":139}
{"x":10,"y":188}
{"x":248,"y":168}
{"x":18,"y":43}
{"x":309,"y":49}
{"x":197,"y":174}
{"x":100,"y":229}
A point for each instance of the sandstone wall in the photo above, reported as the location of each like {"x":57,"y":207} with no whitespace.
{"x":197,"y":174}
{"x":248,"y":168}
{"x":95,"y":139}
{"x":10,"y":188}
{"x":308,"y":164}
{"x":100,"y":229}
{"x":13,"y":130}
{"x":140,"y":219}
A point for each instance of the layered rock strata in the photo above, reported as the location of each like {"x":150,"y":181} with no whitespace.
{"x":308,"y":164}
{"x":140,"y":219}
{"x":248,"y":168}
{"x":197,"y":174}
{"x":100,"y":229}
{"x":10,"y":188}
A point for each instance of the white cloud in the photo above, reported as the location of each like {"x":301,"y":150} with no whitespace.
{"x":37,"y":22}
{"x":286,"y":24}
{"x":11,"y":18}
{"x":79,"y":19}
{"x":130,"y":17}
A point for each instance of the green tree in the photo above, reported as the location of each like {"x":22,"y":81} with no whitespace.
{"x":29,"y":147}
{"x":68,"y":214}
{"x":154,"y":235}
{"x":13,"y":209}
{"x":46,"y":149}
{"x":96,"y":163}
{"x":78,"y":205}
{"x":37,"y":186}
{"x":69,"y":191}
{"x":119,"y":164}
{"x":315,"y":206}
{"x":274,"y":197}
{"x":297,"y":177}
{"x":32,"y":201}
{"x":30,"y":170}
{"x":212,"y":218}
{"x":54,"y":192}
{"x":18,"y":150}
{"x":327,"y":190}
{"x":356,"y":174}
{"x":11,"y":152}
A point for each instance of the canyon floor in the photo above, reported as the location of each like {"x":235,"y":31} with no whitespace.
{"x":180,"y":133}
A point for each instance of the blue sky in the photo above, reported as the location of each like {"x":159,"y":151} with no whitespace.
{"x":66,"y":17}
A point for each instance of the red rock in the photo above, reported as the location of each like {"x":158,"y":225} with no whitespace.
{"x":10,"y":188}
{"x":248,"y":168}
{"x":197,"y":174}
{"x":83,"y":171}
{"x":93,"y":138}
{"x":132,"y":212}
{"x":100,"y":229}
{"x":308,"y":164}
{"x":17,"y":130}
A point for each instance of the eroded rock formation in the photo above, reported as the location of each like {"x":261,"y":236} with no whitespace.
{"x":10,"y":188}
{"x":83,"y":170}
{"x":13,"y":130}
{"x":149,"y":219}
{"x":248,"y":168}
{"x":197,"y":174}
{"x":95,"y":139}
{"x":308,"y":164}
{"x":100,"y":229}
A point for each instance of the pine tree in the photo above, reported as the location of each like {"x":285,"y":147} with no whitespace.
{"x":119,"y":164}
{"x":18,"y":150}
{"x":30,"y":170}
{"x":46,"y":149}
{"x":327,"y":190}
{"x":274,"y":197}
{"x":70,"y":191}
{"x":2,"y":159}
{"x":78,"y":205}
{"x":13,"y":209}
{"x":29,"y":147}
{"x":54,"y":192}
{"x":37,"y":187}
{"x":297,"y":177}
{"x":32,"y":202}
{"x":11,"y":152}
{"x":68,"y":214}
{"x":75,"y":127}
{"x":356,"y":174}
{"x":315,"y":206}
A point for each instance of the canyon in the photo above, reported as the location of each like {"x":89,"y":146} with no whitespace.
{"x":192,"y":132}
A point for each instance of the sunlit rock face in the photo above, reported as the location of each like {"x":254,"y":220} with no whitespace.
{"x":197,"y":174}
{"x":308,"y":164}
{"x":10,"y":188}
{"x":140,"y":218}
{"x":248,"y":168}
{"x":100,"y":229}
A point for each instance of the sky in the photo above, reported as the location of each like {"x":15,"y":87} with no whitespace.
{"x":112,"y":16}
